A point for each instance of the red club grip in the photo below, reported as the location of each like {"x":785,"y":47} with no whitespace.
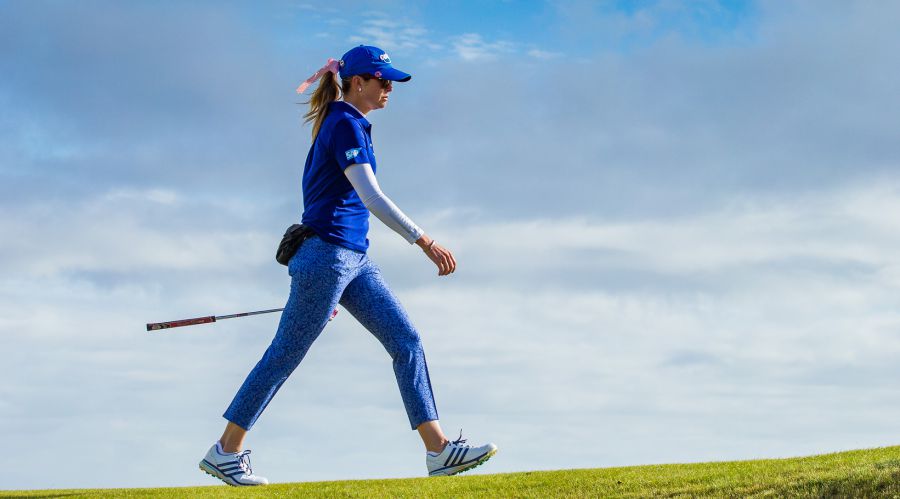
{"x":185,"y":322}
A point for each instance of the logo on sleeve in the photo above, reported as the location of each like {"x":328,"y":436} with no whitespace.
{"x":352,"y":153}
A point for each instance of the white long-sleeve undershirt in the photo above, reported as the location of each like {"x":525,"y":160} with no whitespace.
{"x":363,"y":180}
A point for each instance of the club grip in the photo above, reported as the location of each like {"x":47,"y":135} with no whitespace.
{"x":184,"y":322}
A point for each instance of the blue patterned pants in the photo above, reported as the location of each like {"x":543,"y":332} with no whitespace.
{"x":323,"y":275}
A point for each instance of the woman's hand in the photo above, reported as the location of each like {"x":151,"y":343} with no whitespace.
{"x":441,"y":256}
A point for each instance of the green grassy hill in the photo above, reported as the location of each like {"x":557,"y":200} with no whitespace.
{"x":861,"y":473}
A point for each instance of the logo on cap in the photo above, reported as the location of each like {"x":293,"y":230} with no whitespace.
{"x":385,"y":58}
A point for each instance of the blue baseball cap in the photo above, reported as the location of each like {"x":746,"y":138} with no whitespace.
{"x":371,"y":60}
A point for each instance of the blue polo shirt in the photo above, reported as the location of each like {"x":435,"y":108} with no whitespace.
{"x":332,"y":208}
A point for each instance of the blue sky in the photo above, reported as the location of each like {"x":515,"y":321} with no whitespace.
{"x":675,"y":223}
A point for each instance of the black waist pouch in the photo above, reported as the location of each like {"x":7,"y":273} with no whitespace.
{"x":293,"y":238}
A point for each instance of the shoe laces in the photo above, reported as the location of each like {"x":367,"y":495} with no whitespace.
{"x":461,"y":442}
{"x":244,"y":462}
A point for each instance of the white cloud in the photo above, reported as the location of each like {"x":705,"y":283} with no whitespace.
{"x":392,"y":35}
{"x":161,"y":196}
{"x":544,"y":54}
{"x":835,"y":229}
{"x":121,"y":231}
{"x":473,"y":47}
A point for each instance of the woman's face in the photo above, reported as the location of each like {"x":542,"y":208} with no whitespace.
{"x":375,"y":92}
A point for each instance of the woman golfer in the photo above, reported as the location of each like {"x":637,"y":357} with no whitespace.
{"x":331,"y":267}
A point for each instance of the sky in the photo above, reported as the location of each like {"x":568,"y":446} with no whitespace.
{"x":675,"y":223}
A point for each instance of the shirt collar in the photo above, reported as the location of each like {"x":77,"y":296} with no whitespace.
{"x":354,"y":108}
{"x":350,"y":108}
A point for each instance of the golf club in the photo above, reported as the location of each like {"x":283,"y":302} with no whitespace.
{"x":155,"y":326}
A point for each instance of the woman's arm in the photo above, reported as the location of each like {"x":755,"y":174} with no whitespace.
{"x":363,"y":180}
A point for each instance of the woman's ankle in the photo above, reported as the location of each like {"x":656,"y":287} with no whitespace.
{"x":437,"y":448}
{"x":232,"y":439}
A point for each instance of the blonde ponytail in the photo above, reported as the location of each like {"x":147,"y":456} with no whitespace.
{"x":327,"y":92}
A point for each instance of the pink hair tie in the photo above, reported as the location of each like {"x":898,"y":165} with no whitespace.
{"x":332,"y":65}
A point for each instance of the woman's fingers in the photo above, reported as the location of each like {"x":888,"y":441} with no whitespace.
{"x":452,"y":262}
{"x":443,"y":266}
{"x":443,"y":258}
{"x":436,"y":258}
{"x":449,"y":262}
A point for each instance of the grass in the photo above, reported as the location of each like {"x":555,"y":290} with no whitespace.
{"x":860,"y":473}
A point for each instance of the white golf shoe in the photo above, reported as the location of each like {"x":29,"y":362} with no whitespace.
{"x":232,"y":468}
{"x":457,"y":457}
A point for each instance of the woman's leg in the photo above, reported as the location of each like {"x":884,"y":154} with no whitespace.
{"x":233,"y":438}
{"x":432,"y":436}
{"x":368,"y":298}
{"x":319,"y":273}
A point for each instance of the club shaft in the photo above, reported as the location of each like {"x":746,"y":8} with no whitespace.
{"x":245,"y":314}
{"x":156,"y":326}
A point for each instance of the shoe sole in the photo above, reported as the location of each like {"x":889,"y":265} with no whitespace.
{"x":213,"y":472}
{"x":209,"y":470}
{"x":483,"y":459}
